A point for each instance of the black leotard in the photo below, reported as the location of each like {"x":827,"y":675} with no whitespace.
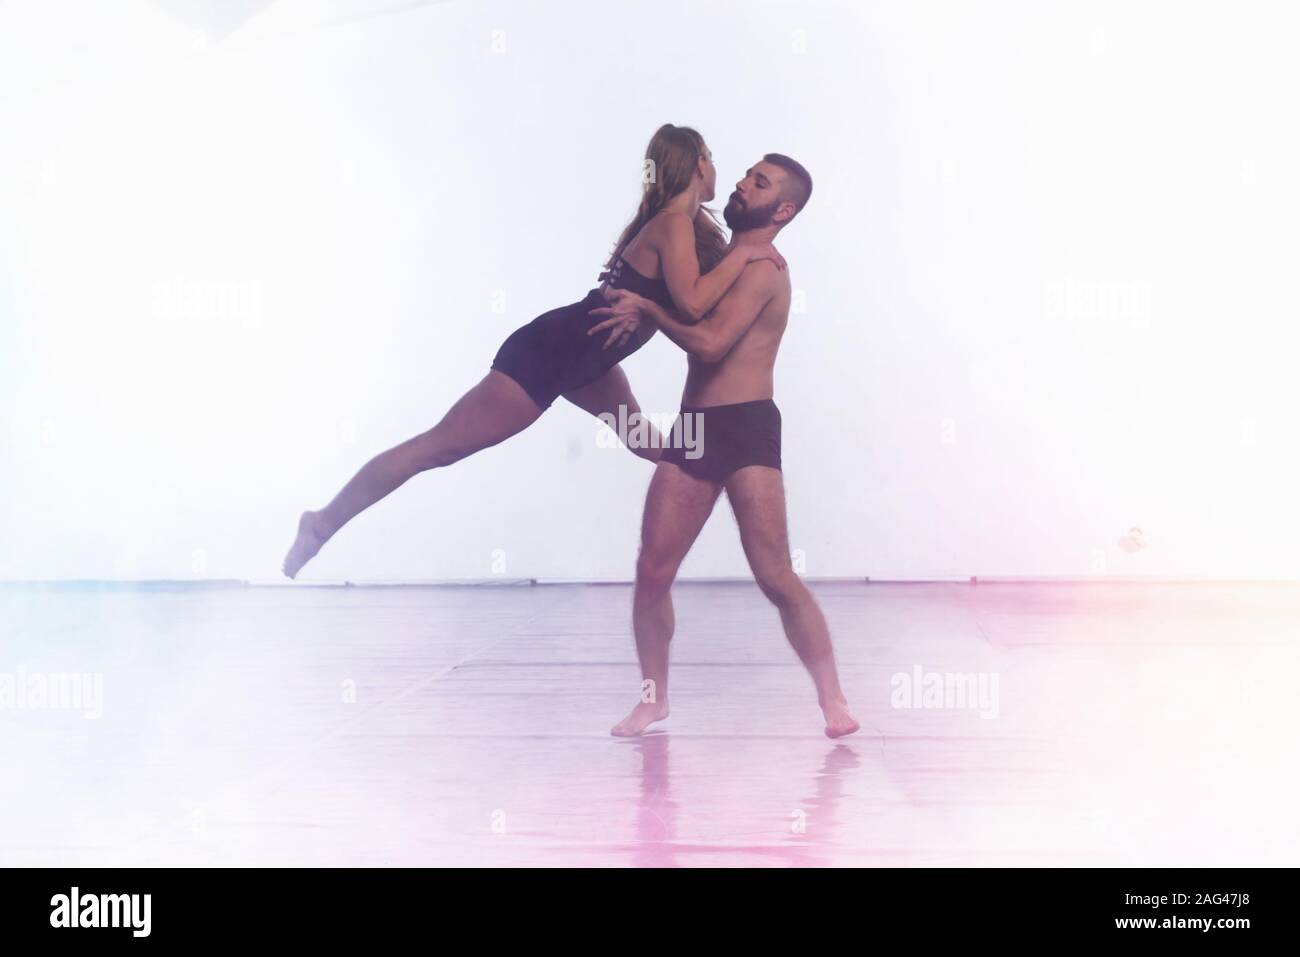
{"x":553,"y":354}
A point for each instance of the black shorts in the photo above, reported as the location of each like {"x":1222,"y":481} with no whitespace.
{"x":724,"y":438}
{"x":553,"y":354}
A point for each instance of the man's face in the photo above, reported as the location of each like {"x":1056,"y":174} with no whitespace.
{"x":756,"y":198}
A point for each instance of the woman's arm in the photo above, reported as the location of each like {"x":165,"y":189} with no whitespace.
{"x":695,"y":294}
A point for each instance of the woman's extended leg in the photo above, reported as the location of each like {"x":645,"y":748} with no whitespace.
{"x":490,"y":412}
{"x":605,"y":395}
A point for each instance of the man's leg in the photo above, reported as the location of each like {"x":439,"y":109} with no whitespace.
{"x":757,"y":496}
{"x":676,"y":508}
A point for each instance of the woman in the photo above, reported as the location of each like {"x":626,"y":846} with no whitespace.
{"x":673,"y":252}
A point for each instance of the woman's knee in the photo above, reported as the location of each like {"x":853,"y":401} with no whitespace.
{"x":650,"y":454}
{"x":432,"y":451}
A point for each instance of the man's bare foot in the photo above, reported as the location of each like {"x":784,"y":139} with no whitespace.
{"x":642,"y":716}
{"x":838,"y":720}
{"x":306,"y":545}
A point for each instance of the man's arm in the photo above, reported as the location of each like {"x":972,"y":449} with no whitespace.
{"x":712,"y":338}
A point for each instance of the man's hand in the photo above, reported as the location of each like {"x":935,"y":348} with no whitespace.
{"x":625,"y":314}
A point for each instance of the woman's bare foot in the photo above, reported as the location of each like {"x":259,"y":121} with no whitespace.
{"x":838,"y":720}
{"x":310,"y":538}
{"x":642,"y":716}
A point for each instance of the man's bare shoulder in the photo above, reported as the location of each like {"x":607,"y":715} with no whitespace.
{"x":765,"y":276}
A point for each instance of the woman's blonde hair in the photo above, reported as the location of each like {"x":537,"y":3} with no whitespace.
{"x":672,"y":160}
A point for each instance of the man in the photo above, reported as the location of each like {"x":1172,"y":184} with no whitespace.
{"x":729,"y":390}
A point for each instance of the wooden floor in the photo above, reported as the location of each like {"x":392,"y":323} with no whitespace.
{"x":1133,"y":724}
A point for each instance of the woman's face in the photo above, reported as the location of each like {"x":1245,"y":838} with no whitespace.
{"x":710,"y":174}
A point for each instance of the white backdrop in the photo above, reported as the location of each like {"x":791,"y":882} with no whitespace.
{"x":1047,"y":276}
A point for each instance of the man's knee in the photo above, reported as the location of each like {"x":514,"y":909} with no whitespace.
{"x":781,"y":585}
{"x":654,"y":575}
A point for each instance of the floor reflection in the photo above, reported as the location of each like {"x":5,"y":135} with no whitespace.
{"x":812,"y":831}
{"x":748,"y":827}
{"x":656,"y":813}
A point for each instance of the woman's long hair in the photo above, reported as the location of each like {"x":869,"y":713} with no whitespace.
{"x":672,"y":159}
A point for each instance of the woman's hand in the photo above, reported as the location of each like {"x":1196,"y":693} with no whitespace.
{"x":766,"y":251}
{"x":624,"y":314}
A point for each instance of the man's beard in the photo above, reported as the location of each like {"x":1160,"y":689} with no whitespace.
{"x":739,"y":219}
